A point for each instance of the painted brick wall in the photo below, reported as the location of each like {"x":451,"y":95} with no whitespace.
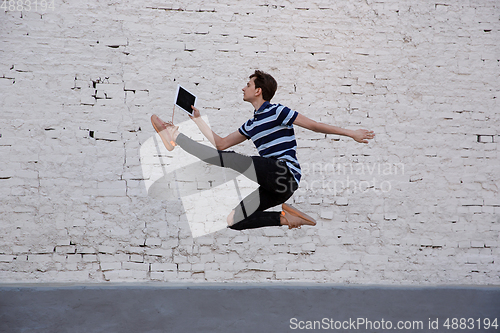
{"x":418,"y":205}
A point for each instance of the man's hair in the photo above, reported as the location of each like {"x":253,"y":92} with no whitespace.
{"x":265,"y":82}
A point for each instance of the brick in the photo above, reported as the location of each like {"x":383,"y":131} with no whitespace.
{"x":438,"y":243}
{"x":198,"y":268}
{"x":6,"y":258}
{"x":87,"y":99}
{"x":158,"y":252}
{"x":185,"y":267}
{"x":218,"y":275}
{"x":153,"y":242}
{"x":107,"y":266}
{"x":310,"y":247}
{"x":326,"y":214}
{"x":390,"y":216}
{"x":136,"y":85}
{"x":273,"y":232}
{"x":425,"y":242}
{"x":315,"y":200}
{"x":163,"y":267}
{"x":158,"y":276}
{"x":485,"y":138}
{"x":66,"y":249}
{"x":114,"y":42}
{"x":464,"y":244}
{"x":477,"y":244}
{"x":240,"y":239}
{"x":341,"y":201}
{"x":89,"y":258}
{"x":123,"y":275}
{"x":347,"y":240}
{"x":63,"y":242}
{"x":492,"y":202}
{"x":65,"y":276}
{"x":136,"y":258}
{"x":107,"y":249}
{"x":472,"y":202}
{"x":260,"y":266}
{"x":44,"y":258}
{"x":135,"y":266}
{"x":491,"y":243}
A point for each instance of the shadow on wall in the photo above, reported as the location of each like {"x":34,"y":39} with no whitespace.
{"x":208,"y":193}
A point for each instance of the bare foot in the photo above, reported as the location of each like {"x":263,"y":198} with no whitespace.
{"x":173,"y":131}
{"x":167,"y":131}
{"x":292,"y":221}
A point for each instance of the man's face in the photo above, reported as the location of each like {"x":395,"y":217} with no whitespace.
{"x":249,"y":90}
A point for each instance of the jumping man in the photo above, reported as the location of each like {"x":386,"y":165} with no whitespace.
{"x":276,"y":170}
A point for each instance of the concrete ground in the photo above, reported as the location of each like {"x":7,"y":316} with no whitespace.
{"x":246,"y":308}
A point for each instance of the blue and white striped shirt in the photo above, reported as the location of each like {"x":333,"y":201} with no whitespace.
{"x":271,"y":130}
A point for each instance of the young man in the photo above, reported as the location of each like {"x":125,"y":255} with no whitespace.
{"x":276,"y":170}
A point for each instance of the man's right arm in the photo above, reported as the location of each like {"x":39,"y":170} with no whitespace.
{"x":231,"y":140}
{"x":218,"y":142}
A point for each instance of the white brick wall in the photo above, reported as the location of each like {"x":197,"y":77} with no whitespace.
{"x":79,"y":83}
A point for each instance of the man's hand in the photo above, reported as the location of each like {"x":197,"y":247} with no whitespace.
{"x":196,"y":113}
{"x":362,"y":135}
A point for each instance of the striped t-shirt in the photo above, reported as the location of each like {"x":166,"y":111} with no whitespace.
{"x":271,"y":130}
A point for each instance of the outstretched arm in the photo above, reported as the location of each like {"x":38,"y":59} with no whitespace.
{"x":218,"y":142}
{"x":360,"y":135}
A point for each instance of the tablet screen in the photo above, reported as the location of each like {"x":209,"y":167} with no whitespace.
{"x":185,"y":99}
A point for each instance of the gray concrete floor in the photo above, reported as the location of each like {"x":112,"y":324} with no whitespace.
{"x":244,"y":308}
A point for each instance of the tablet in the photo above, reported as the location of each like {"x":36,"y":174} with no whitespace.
{"x":184,"y":99}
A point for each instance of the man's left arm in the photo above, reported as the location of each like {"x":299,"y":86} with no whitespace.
{"x":360,"y":135}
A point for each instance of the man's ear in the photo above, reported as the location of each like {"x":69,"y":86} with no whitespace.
{"x":258,"y":91}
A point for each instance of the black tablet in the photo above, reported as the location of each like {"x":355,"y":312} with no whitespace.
{"x":184,"y":99}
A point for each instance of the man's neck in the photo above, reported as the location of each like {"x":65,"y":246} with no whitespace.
{"x":258,"y":104}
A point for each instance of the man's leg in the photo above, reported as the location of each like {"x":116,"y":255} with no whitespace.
{"x":277,"y":185}
{"x":228,"y":159}
{"x":276,"y":182}
{"x":238,"y":220}
{"x":171,"y":137}
{"x":247,"y":216}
